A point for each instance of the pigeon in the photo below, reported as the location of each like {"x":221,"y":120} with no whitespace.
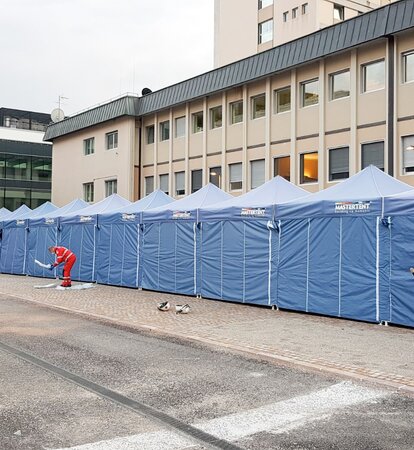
{"x":164,"y":306}
{"x":182,"y":309}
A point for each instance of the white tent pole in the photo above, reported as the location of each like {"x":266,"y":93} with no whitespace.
{"x":269,"y":274}
{"x":377,"y":272}
{"x":340,"y":268}
{"x":307,"y":269}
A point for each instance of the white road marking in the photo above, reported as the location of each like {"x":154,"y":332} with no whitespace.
{"x":275,"y":418}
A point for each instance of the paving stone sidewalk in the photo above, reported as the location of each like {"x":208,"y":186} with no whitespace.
{"x":358,"y":350}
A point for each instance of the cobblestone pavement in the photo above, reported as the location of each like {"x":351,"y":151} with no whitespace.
{"x":357,"y":350}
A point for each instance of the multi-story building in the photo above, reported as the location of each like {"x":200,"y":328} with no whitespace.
{"x":244,"y":28}
{"x":25,"y":159}
{"x":315,"y":110}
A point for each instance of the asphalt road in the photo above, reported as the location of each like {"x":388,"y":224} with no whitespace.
{"x":69,"y":382}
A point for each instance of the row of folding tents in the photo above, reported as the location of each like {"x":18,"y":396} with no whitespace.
{"x":344,"y":251}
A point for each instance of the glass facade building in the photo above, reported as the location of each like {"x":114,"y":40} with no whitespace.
{"x":25,"y":163}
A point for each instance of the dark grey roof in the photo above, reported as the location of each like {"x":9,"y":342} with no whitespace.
{"x":362,"y":29}
{"x":124,"y":106}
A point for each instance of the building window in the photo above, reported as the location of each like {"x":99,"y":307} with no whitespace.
{"x":265,"y":31}
{"x":408,"y":153}
{"x":89,"y":146}
{"x":215,"y":176}
{"x":165,"y":130}
{"x":111,"y":187}
{"x":304,"y":8}
{"x":197,"y":119}
{"x":179,"y":183}
{"x":372,"y":153}
{"x":196,"y":180}
{"x":373,"y":76}
{"x":285,"y":16}
{"x":258,"y":106}
{"x":164,"y":183}
{"x":236,"y":112}
{"x":339,"y":84}
{"x":294,"y":13}
{"x":150,"y":134}
{"x":41,"y":169}
{"x":408,"y":67}
{"x":338,"y":12}
{"x":281,"y":167}
{"x":112,"y":140}
{"x":88,"y":192}
{"x":149,"y":185}
{"x":235,"y":177}
{"x":179,"y":127}
{"x":282,"y":100}
{"x":264,"y":3}
{"x":257,"y":173}
{"x":309,"y":92}
{"x":216,"y":117}
{"x":309,"y":167}
{"x":18,"y":167}
{"x":338,"y":163}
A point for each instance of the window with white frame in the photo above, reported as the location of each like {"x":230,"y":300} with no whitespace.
{"x":165,"y":130}
{"x":179,"y":127}
{"x":282,"y":100}
{"x":236,"y":112}
{"x":164,"y":183}
{"x":215,"y":176}
{"x":179,"y":183}
{"x":150,"y":131}
{"x":112,"y":140}
{"x":338,"y":163}
{"x":408,"y":153}
{"x":372,"y":153}
{"x":216,"y":117}
{"x":258,"y":106}
{"x":196,"y":180}
{"x":281,"y":167}
{"x":285,"y":16}
{"x":88,"y":193}
{"x":257,"y":173}
{"x":89,"y":146}
{"x":264,"y":3}
{"x":408,"y":66}
{"x":149,"y":185}
{"x":265,"y":31}
{"x":338,"y":12}
{"x":111,"y":187}
{"x":294,"y":13}
{"x":197,"y":119}
{"x":309,"y":167}
{"x":339,"y":84}
{"x":373,"y":76}
{"x":235,"y":177}
{"x":309,"y":92}
{"x":305,"y":8}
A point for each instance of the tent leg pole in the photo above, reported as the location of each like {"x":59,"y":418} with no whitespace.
{"x":140,"y":288}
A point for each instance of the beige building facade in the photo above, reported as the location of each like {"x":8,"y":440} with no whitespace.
{"x":244,"y":28}
{"x":315,"y":121}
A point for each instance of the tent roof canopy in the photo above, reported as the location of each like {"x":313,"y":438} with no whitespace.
{"x":40,"y":211}
{"x":20,"y":211}
{"x":4,"y":212}
{"x":108,"y":204}
{"x":71,"y":207}
{"x":363,"y":192}
{"x":154,"y":200}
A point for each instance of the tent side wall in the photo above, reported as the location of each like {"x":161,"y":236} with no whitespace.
{"x":235,"y":261}
{"x":39,"y":239}
{"x":13,"y":252}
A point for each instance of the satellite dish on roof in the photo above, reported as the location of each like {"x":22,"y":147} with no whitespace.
{"x":146,"y":91}
{"x":57,"y":115}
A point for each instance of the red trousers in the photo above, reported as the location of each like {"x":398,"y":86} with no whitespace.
{"x":67,"y":282}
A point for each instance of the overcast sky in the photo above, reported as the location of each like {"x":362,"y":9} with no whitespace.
{"x":93,"y":50}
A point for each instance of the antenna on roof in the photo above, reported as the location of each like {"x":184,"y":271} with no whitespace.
{"x":146,"y":91}
{"x":57,"y":115}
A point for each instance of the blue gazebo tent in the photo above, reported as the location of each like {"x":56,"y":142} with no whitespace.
{"x":239,"y":243}
{"x":171,"y":242}
{"x":399,"y":214}
{"x":4,"y":212}
{"x":15,"y":234}
{"x":43,"y":233}
{"x":79,"y":234}
{"x":331,"y":245}
{"x":120,"y":240}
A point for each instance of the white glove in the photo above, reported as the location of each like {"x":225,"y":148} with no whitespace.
{"x":49,"y":266}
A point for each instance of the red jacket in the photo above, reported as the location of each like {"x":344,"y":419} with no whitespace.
{"x":62,"y":255}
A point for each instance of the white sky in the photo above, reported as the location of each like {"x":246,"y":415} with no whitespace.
{"x":93,"y":50}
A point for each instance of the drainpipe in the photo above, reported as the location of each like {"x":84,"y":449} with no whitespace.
{"x":390,"y":105}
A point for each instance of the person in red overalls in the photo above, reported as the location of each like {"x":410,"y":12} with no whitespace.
{"x":64,"y":255}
